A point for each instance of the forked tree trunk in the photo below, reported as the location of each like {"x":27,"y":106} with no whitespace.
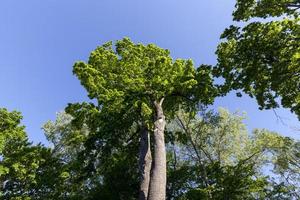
{"x":145,"y":161}
{"x":157,"y":190}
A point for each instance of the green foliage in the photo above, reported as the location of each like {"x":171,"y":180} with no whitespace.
{"x":11,"y":135}
{"x":214,"y":157}
{"x":262,"y":58}
{"x":228,"y":182}
{"x":209,"y":157}
{"x":133,"y":76}
{"x":11,"y":132}
{"x":33,"y":174}
{"x":122,"y":176}
{"x":286,"y":161}
{"x":127,"y":80}
{"x":218,"y":137}
{"x":26,"y":171}
{"x":246,"y":9}
{"x":67,"y":140}
{"x":95,"y":154}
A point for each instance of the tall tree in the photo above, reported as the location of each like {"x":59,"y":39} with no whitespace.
{"x":144,"y":81}
{"x":262,"y":56}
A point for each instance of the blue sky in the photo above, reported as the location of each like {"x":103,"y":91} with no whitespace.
{"x":41,"y":40}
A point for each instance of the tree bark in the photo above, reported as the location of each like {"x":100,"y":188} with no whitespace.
{"x":157,"y":190}
{"x":145,"y":161}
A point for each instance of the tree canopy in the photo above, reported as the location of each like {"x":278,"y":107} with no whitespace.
{"x":135,"y":75}
{"x":262,"y":57}
{"x":26,"y":171}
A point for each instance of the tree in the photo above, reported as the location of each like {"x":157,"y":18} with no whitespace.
{"x":67,"y":143}
{"x":26,"y":171}
{"x":11,"y":131}
{"x":286,"y":161}
{"x":144,"y":82}
{"x":216,"y":158}
{"x":94,"y":161}
{"x":11,"y":134}
{"x":262,"y":58}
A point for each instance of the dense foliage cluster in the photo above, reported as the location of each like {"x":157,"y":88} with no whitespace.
{"x":262,"y":57}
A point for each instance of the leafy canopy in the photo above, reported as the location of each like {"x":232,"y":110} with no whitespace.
{"x":246,"y":9}
{"x":214,"y":157}
{"x":10,"y":129}
{"x":26,"y":171}
{"x":263,"y":58}
{"x":131,"y":75}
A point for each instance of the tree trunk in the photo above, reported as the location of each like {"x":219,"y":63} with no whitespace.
{"x":157,"y":190}
{"x":145,"y":161}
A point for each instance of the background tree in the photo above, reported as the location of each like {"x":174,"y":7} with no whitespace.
{"x":94,"y":160}
{"x":262,"y":57}
{"x":286,"y":161}
{"x":216,"y":158}
{"x":26,"y":171}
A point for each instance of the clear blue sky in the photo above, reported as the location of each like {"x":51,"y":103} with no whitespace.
{"x":41,"y":39}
